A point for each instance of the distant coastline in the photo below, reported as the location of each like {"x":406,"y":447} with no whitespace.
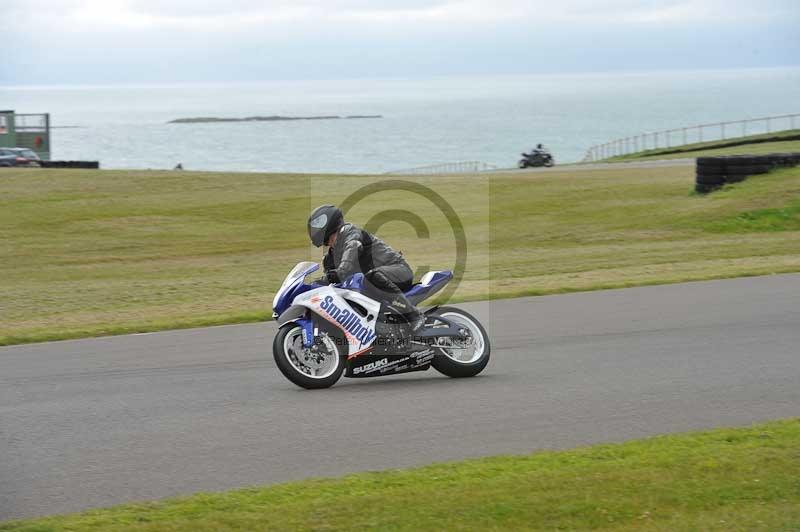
{"x":274,"y":118}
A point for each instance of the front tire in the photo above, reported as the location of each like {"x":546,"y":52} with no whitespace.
{"x":320,"y":369}
{"x":458,"y":362}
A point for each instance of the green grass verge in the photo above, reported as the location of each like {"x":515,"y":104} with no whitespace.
{"x":725,"y":479}
{"x":778,"y":142}
{"x":86,"y":253}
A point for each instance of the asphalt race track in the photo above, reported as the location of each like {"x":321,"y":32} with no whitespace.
{"x":96,"y":422}
{"x":648,"y":163}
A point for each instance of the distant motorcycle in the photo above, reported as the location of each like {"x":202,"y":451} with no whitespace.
{"x":536,"y":158}
{"x":325,"y":331}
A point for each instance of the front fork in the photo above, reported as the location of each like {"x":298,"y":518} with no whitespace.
{"x":307,"y":325}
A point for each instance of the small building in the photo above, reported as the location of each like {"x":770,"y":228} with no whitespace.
{"x":26,"y":131}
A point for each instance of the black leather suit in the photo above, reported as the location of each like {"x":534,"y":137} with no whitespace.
{"x":386,"y":271}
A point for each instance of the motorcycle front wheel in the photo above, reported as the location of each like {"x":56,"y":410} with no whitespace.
{"x":549,"y":162}
{"x":522,"y":163}
{"x":319,"y":366}
{"x":463,"y":358}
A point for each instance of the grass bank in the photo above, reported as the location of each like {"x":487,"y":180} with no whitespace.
{"x":726,"y":479}
{"x":778,"y":142}
{"x":87,"y":252}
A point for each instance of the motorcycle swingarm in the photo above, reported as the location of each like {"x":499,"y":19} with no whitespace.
{"x":451,"y":331}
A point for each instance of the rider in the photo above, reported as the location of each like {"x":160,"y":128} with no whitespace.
{"x":352,"y":250}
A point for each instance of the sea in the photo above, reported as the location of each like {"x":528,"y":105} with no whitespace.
{"x":423,"y":122}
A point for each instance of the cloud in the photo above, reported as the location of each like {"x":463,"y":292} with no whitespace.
{"x":97,"y":40}
{"x":231,"y":15}
{"x":100,"y":15}
{"x":204,"y":7}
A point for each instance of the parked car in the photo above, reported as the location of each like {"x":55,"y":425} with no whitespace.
{"x":19,"y":157}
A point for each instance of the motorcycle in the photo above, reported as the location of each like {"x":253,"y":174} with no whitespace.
{"x":325,"y":331}
{"x":540,"y":158}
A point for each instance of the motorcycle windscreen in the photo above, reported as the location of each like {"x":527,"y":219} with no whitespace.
{"x":297,"y":274}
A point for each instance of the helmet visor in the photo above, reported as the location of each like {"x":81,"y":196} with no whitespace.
{"x":319,"y":222}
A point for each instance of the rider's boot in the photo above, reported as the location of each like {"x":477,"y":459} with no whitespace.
{"x":413,"y":319}
{"x":399,"y":325}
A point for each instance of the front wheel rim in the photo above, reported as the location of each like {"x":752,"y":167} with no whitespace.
{"x":473,"y":348}
{"x":319,"y":363}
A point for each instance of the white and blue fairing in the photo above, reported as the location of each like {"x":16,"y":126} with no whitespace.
{"x":293,"y":286}
{"x":430,"y":283}
{"x":295,"y":298}
{"x":344,"y":305}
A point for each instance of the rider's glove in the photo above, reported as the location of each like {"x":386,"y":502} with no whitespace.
{"x":331,"y":276}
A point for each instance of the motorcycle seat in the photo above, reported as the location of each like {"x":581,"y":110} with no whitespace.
{"x":429,"y":284}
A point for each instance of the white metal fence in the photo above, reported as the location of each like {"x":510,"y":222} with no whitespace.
{"x":446,"y":168}
{"x":669,"y":138}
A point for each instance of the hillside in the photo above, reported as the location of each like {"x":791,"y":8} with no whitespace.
{"x":87,"y":252}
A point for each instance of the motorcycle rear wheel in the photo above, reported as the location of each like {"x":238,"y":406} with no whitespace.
{"x":458,"y":362}
{"x":302,"y":367}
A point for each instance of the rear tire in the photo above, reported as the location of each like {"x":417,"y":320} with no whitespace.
{"x":453,"y":368}
{"x":283,"y":352}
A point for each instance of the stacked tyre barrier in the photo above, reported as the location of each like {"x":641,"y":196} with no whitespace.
{"x":71,"y":164}
{"x":714,"y":172}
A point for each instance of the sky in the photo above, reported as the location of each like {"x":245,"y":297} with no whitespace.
{"x":174,"y":41}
